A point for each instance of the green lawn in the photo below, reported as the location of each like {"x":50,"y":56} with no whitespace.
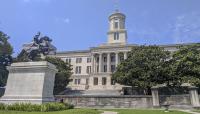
{"x":71,"y":111}
{"x":92,"y":111}
{"x":132,"y":111}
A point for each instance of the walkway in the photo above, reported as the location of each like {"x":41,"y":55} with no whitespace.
{"x":109,"y":112}
{"x":189,"y":111}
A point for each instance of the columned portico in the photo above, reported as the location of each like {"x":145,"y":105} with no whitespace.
{"x":98,"y":61}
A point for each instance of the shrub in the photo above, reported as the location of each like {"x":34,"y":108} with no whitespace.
{"x":69,"y":106}
{"x":24,"y":107}
{"x":53,"y":107}
{"x":36,"y":107}
{"x":2,"y":106}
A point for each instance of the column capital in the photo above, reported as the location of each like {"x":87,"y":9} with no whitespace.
{"x":101,"y":53}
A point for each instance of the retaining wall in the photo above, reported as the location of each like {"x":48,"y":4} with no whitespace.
{"x":126,"y":101}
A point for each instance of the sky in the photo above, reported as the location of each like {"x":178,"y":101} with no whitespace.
{"x":80,"y":24}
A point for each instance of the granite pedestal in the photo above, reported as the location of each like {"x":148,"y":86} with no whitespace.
{"x":30,"y":82}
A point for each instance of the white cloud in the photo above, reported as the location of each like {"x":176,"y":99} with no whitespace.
{"x":66,"y":20}
{"x":62,"y":20}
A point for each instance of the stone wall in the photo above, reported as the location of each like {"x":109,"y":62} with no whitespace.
{"x":176,"y":101}
{"x":109,"y":101}
{"x":133,"y":101}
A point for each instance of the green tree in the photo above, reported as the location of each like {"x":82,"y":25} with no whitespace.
{"x":146,"y":66}
{"x":5,"y":57}
{"x":185,"y":64}
{"x":63,"y":75}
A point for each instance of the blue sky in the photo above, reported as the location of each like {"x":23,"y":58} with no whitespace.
{"x":80,"y":24}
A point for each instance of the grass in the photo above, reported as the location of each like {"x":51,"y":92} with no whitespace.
{"x":92,"y":111}
{"x":132,"y":111}
{"x":71,"y":111}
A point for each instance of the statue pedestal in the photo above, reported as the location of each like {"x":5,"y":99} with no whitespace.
{"x":30,"y":82}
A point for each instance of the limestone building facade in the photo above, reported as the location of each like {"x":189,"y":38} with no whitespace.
{"x":92,"y":68}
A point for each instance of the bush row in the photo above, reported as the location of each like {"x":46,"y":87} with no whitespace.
{"x":36,"y":107}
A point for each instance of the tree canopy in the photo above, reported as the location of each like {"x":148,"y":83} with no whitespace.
{"x":5,"y":57}
{"x":145,"y":67}
{"x":186,"y":64}
{"x":63,"y":75}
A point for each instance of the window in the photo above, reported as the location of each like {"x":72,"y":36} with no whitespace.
{"x":78,"y":60}
{"x":121,"y":58}
{"x":87,"y":81}
{"x":97,"y":59}
{"x":78,"y":70}
{"x":105,"y":68}
{"x":77,"y":81}
{"x":88,"y":60}
{"x":112,"y":58}
{"x":104,"y":81}
{"x":112,"y":68}
{"x":88,"y":69}
{"x":68,"y":60}
{"x":104,"y":59}
{"x":95,"y":81}
{"x":116,"y":25}
{"x":112,"y":82}
{"x":116,"y":36}
{"x":97,"y":68}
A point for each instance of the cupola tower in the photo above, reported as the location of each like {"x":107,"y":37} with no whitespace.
{"x":117,"y":32}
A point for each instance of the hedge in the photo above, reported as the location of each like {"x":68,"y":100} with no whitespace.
{"x":36,"y":107}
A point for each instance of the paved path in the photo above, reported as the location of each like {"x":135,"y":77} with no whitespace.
{"x":109,"y":112}
{"x":189,"y":111}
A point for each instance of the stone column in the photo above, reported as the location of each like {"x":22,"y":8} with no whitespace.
{"x":194,"y":97}
{"x":116,"y":59}
{"x":100,"y":62}
{"x":125,"y":55}
{"x":155,"y":97}
{"x":108,"y":62}
{"x":93,"y":63}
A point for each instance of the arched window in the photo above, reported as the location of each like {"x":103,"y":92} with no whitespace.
{"x":116,"y":25}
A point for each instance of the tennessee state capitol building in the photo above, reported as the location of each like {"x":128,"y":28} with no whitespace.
{"x":92,"y":68}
